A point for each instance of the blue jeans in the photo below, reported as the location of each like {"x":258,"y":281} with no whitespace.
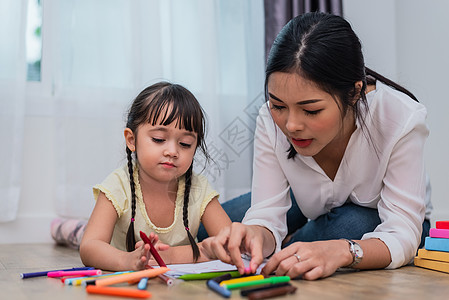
{"x":347,"y":221}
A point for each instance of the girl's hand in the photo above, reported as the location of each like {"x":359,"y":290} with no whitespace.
{"x":314,"y":260}
{"x":143,"y":253}
{"x":229,"y":244}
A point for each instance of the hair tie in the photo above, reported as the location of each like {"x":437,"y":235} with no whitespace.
{"x":187,"y":228}
{"x":132,"y":219}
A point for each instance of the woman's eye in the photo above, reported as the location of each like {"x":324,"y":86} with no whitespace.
{"x":156,"y":140}
{"x":312,"y":112}
{"x":276,"y":107}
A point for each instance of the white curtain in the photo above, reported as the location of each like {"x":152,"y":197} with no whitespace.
{"x":12,"y":91}
{"x":101,"y":53}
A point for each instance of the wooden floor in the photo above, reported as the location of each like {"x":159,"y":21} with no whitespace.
{"x":405,"y":283}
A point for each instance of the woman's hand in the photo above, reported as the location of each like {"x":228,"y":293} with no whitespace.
{"x":229,"y":244}
{"x":311,"y":260}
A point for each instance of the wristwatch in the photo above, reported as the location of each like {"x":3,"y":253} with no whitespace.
{"x":356,"y":251}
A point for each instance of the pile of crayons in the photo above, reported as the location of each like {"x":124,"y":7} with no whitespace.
{"x":95,"y":282}
{"x":98,"y":283}
{"x":253,"y":286}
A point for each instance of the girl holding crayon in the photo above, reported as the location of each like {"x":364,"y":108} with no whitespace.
{"x":157,"y":191}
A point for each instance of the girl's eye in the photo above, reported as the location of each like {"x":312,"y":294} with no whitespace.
{"x":312,"y":112}
{"x":185,"y":145}
{"x":156,"y":140}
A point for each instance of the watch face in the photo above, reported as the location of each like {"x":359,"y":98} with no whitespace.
{"x":358,"y":251}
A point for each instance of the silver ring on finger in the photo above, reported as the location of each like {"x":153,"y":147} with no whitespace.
{"x":297,"y":257}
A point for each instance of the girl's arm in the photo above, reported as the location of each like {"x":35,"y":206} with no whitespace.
{"x":214,"y":219}
{"x":95,"y":249}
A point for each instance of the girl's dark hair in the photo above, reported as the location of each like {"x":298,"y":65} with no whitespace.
{"x":167,"y":103}
{"x":324,"y":49}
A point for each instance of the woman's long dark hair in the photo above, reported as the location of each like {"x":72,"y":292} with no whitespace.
{"x":324,"y":49}
{"x":151,"y":106}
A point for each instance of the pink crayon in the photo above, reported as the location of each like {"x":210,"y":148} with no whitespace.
{"x":74,"y":273}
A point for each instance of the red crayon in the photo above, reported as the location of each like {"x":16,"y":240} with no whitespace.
{"x":169,"y":281}
{"x":153,"y":250}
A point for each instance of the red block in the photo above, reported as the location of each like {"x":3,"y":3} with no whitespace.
{"x":442,"y":224}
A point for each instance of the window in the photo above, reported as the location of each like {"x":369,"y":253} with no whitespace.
{"x":34,"y":40}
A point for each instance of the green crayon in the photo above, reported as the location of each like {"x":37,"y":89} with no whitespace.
{"x":208,"y":275}
{"x":270,"y":280}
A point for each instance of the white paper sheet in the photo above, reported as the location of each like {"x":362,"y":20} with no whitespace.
{"x":177,"y":270}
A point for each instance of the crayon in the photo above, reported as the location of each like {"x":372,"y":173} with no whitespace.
{"x":218,"y":289}
{"x":117,"y":291}
{"x":270,"y":293}
{"x":208,"y":275}
{"x":221,"y":278}
{"x":168,"y":281}
{"x":79,"y":280}
{"x":272,"y":280}
{"x":74,"y":273}
{"x":242,"y":279}
{"x":245,"y":292}
{"x":128,"y":277}
{"x":44,"y":273}
{"x":63,"y":279}
{"x":143,"y":283}
{"x":153,"y":250}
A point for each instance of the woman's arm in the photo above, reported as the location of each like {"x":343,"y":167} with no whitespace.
{"x":95,"y":249}
{"x":402,"y":204}
{"x":322,"y":258}
{"x":270,"y":188}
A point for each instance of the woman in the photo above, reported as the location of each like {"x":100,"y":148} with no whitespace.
{"x":348,"y":143}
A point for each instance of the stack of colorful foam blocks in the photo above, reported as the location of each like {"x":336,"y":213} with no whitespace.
{"x":435,"y":255}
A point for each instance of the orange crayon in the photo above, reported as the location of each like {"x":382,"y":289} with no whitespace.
{"x":130,"y":277}
{"x":117,"y":291}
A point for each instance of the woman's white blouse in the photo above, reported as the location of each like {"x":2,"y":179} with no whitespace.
{"x":383,"y":169}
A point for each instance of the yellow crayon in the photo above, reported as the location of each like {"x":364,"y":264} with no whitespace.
{"x":242,"y":279}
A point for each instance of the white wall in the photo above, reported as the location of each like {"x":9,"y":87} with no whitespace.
{"x":407,"y":41}
{"x":403,"y":39}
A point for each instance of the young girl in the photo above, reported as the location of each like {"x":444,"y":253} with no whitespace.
{"x":156,"y":191}
{"x":348,"y":144}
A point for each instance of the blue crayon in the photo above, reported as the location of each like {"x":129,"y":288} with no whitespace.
{"x":143,"y":283}
{"x":213,"y":285}
{"x":44,"y":273}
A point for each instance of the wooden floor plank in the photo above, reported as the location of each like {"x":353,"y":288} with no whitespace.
{"x":409,"y":282}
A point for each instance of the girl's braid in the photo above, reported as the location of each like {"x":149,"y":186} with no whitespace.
{"x":188,"y":183}
{"x":130,"y":238}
